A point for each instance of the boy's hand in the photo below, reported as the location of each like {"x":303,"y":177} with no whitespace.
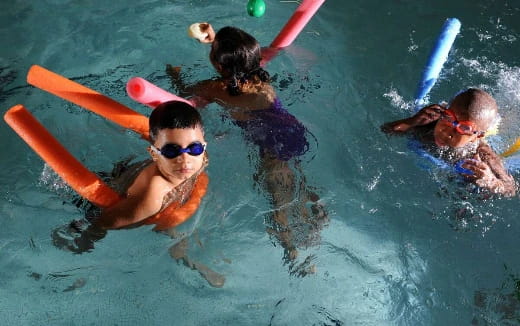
{"x":482,"y":175}
{"x":427,"y":115}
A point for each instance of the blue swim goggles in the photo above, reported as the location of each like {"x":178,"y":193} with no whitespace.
{"x":172,"y":150}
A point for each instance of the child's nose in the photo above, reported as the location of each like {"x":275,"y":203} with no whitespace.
{"x":181,"y":158}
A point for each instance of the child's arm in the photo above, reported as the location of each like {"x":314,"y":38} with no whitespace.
{"x":144,"y":199}
{"x":425,"y":116}
{"x":201,"y":93}
{"x":489,"y":172}
{"x":176,"y":79}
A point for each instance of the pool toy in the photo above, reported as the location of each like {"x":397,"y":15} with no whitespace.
{"x":89,"y":99}
{"x":512,"y":149}
{"x":142,"y":91}
{"x":76,"y":175}
{"x":296,"y":23}
{"x":438,"y":56}
{"x":256,"y":8}
{"x":195,"y":32}
{"x":84,"y":182}
{"x":292,"y":28}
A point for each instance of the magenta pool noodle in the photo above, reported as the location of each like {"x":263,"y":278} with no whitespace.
{"x":142,"y":91}
{"x":296,"y":23}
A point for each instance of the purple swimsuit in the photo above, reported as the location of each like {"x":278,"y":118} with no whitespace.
{"x":276,"y":131}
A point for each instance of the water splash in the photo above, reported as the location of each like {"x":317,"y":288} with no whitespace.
{"x":52,"y":181}
{"x":398,"y":101}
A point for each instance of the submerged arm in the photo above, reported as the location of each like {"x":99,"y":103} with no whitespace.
{"x":176,"y":80}
{"x":202,"y":93}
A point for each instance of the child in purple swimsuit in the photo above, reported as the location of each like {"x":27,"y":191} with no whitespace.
{"x":276,"y":131}
{"x":244,"y":89}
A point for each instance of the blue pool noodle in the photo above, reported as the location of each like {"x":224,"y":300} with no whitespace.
{"x":431,"y":72}
{"x":438,"y":56}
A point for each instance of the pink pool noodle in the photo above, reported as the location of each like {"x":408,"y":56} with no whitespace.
{"x":142,"y":91}
{"x":296,"y":23}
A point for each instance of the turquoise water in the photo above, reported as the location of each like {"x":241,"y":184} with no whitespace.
{"x":404,"y":245}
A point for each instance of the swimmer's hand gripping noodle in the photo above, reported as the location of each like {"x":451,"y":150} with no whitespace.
{"x":84,"y":182}
{"x":292,"y":28}
{"x":144,"y":92}
{"x":438,"y":56}
{"x":89,"y":99}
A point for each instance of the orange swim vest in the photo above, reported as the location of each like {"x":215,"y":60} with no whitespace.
{"x":174,"y":214}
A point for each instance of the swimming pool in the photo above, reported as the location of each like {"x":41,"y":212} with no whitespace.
{"x":404,"y":245}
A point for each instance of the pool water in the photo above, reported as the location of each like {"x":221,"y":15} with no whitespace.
{"x":405,"y":244}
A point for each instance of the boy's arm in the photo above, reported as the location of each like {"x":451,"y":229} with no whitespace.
{"x":490,"y":173}
{"x":131,"y":210}
{"x":425,"y":116}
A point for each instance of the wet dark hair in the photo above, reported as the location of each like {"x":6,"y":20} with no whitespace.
{"x":173,"y":115}
{"x":238,"y":55}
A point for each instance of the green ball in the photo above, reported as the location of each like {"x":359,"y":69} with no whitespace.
{"x":256,"y":8}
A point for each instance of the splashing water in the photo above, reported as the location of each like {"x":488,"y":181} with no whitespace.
{"x":397,"y":100}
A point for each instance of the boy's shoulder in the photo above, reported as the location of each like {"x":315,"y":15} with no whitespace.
{"x":148,"y":179}
{"x":485,"y":151}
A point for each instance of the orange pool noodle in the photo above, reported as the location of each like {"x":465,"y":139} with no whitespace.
{"x":84,"y":182}
{"x":88,"y":98}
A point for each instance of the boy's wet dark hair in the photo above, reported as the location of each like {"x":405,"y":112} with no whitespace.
{"x":476,"y":105}
{"x":172,"y":115}
{"x":238,"y":55}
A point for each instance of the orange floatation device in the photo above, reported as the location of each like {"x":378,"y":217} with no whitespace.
{"x":86,"y":183}
{"x":79,"y":178}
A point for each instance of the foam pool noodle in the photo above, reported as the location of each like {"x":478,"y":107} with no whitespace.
{"x":436,"y":60}
{"x":77,"y":176}
{"x":88,"y":98}
{"x":144,"y":92}
{"x":292,"y":28}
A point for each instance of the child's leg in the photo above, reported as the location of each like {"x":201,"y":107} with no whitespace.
{"x":178,"y":252}
{"x":292,"y":220}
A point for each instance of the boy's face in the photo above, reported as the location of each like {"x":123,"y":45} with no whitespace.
{"x":185,"y":165}
{"x":446,"y":134}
